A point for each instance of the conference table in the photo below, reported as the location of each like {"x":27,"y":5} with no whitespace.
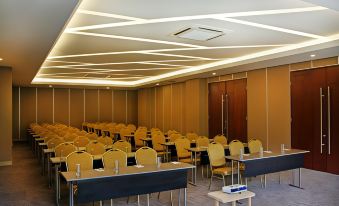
{"x":269,"y":162}
{"x":97,"y":185}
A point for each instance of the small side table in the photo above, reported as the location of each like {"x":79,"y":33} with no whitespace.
{"x":222,"y":197}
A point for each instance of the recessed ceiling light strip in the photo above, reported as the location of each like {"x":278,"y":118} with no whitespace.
{"x":274,"y":28}
{"x":38,"y":80}
{"x":135,"y":39}
{"x":72,"y":73}
{"x":207,"y":16}
{"x":116,"y":16}
{"x":164,"y":50}
{"x":98,"y":78}
{"x":177,"y":55}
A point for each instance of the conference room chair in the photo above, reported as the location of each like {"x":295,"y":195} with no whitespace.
{"x":91,"y":136}
{"x":123,"y":132}
{"x":235,"y":147}
{"x":52,"y":143}
{"x":217,"y":159}
{"x":181,"y":145}
{"x":50,"y":136}
{"x":157,"y":140}
{"x":123,"y":145}
{"x":254,"y":146}
{"x":138,"y":136}
{"x":64,"y":149}
{"x":131,"y":127}
{"x":70,"y":137}
{"x":169,"y":132}
{"x":220,"y":139}
{"x":81,"y":133}
{"x":81,"y":141}
{"x":105,"y":140}
{"x":95,"y":148}
{"x":109,"y":158}
{"x":175,"y":136}
{"x":192,"y":136}
{"x":203,"y":141}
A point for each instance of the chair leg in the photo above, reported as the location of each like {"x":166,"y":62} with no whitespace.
{"x":223,"y":179}
{"x":111,"y":202}
{"x":147,"y":199}
{"x":171,"y":196}
{"x":209,"y":187}
{"x":158,"y":195}
{"x":100,"y":203}
{"x":138,"y":200}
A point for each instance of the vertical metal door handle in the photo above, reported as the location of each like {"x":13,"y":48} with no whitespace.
{"x":222,"y":113}
{"x":321,"y":120}
{"x":329,"y":118}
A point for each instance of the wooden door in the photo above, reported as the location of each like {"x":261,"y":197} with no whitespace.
{"x":236,"y":110}
{"x":215,"y":95}
{"x":307,"y":99}
{"x":333,"y":126}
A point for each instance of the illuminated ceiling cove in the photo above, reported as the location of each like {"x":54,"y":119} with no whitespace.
{"x":133,"y":43}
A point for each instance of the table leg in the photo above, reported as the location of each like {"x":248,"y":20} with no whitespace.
{"x":49,"y":169}
{"x":147,"y":199}
{"x":179,"y":197}
{"x":234,"y":203}
{"x":238,"y":172}
{"x":216,"y":203}
{"x":185,"y":196}
{"x":71,"y":202}
{"x":299,"y":177}
{"x":43,"y":164}
{"x":195,"y":169}
{"x":232,"y":177}
{"x":56,"y":183}
{"x":249,"y":201}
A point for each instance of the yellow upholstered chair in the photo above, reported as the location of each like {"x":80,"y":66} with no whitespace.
{"x":109,"y":157}
{"x":191,"y":136}
{"x":175,"y":136}
{"x":202,"y":141}
{"x":91,"y":136}
{"x":218,"y":166}
{"x":123,"y":132}
{"x":235,"y":146}
{"x":123,"y":145}
{"x":254,"y":145}
{"x":95,"y":148}
{"x":181,"y":145}
{"x":52,"y":143}
{"x":170,"y":132}
{"x":105,"y":140}
{"x":131,"y":127}
{"x":157,"y":140}
{"x":70,"y":137}
{"x":64,"y":149}
{"x":138,"y":136}
{"x":81,"y":141}
{"x":220,"y":139}
{"x":146,"y":156}
{"x":83,"y":158}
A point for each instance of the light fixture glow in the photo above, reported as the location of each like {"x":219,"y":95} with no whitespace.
{"x":207,"y":16}
{"x":214,"y":73}
{"x":274,"y":28}
{"x":312,"y":55}
{"x":0,"y":59}
{"x":116,"y":16}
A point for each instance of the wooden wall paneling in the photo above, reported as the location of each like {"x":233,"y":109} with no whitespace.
{"x":105,"y":105}
{"x":15,"y":114}
{"x":177,"y":106}
{"x":27,"y":109}
{"x":45,"y":105}
{"x":279,"y":107}
{"x":300,"y":65}
{"x":143,"y":108}
{"x":132,"y":107}
{"x":61,"y":106}
{"x":159,"y":108}
{"x":152,"y":106}
{"x":119,"y":106}
{"x":203,"y":108}
{"x":91,"y":105}
{"x":167,"y":107}
{"x":257,"y":106}
{"x":76,"y":107}
{"x":325,"y":62}
{"x":192,"y":98}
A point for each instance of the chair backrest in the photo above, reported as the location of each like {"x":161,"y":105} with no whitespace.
{"x":146,"y":156}
{"x":70,"y":137}
{"x":202,"y":141}
{"x":192,"y":136}
{"x":52,"y":143}
{"x":123,"y":145}
{"x":181,"y":145}
{"x":105,"y":140}
{"x":235,"y":146}
{"x":64,"y":149}
{"x":157,"y":140}
{"x":131,"y":127}
{"x":124,"y":131}
{"x":254,"y":145}
{"x":216,"y":154}
{"x":220,"y":139}
{"x":175,"y":136}
{"x":95,"y":148}
{"x":109,"y":157}
{"x":171,"y":131}
{"x":81,"y":141}
{"x":138,"y":135}
{"x":50,"y":136}
{"x":83,"y":158}
{"x":92,"y":136}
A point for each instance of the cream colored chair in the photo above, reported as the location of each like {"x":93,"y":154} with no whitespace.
{"x":92,"y":136}
{"x":52,"y":143}
{"x":175,"y":136}
{"x":157,"y":140}
{"x":83,"y":158}
{"x":202,"y":141}
{"x":220,"y":139}
{"x":181,"y":145}
{"x":235,"y":146}
{"x":70,"y":137}
{"x":192,"y":136}
{"x":218,"y":166}
{"x":146,"y":156}
{"x":95,"y":148}
{"x":105,"y":140}
{"x":81,"y":141}
{"x":64,"y":149}
{"x":131,"y":127}
{"x":123,"y":145}
{"x":138,"y":136}
{"x":123,"y":132}
{"x":254,"y":145}
{"x":109,"y":157}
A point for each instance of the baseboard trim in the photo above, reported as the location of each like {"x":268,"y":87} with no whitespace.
{"x":5,"y":163}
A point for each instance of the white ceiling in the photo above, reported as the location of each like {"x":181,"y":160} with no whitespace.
{"x":130,"y":43}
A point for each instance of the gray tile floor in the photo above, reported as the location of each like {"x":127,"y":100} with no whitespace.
{"x":22,"y":184}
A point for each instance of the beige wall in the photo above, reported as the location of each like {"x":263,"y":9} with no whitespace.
{"x":71,"y":107}
{"x":181,"y":106}
{"x":6,"y":116}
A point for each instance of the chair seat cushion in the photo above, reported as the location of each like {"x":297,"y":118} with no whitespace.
{"x":185,"y":160}
{"x":224,"y":171}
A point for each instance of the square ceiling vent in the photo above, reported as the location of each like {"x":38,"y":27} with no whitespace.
{"x":199,"y":33}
